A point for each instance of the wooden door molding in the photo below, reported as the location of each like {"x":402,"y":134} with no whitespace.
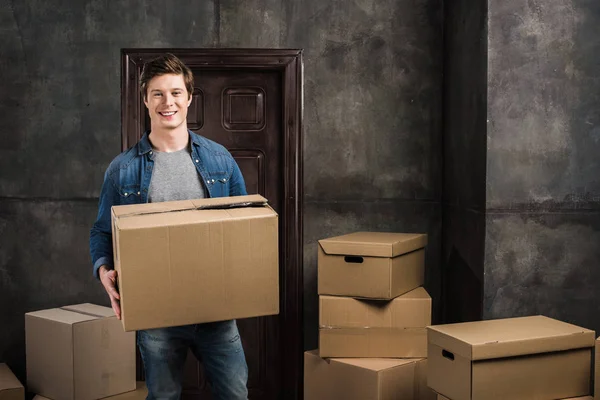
{"x":289,"y":63}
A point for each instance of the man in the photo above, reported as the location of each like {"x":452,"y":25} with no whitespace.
{"x":172,"y":163}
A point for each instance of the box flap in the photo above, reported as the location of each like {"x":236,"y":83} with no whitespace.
{"x":374,"y":244}
{"x":8,"y":380}
{"x":374,"y":364}
{"x":91,"y":310}
{"x":181,"y":205}
{"x":508,"y":337}
{"x":63,"y":316}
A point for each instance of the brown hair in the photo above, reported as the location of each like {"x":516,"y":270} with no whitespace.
{"x":166,"y":64}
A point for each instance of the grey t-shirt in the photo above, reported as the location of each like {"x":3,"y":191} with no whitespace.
{"x":175,"y":177}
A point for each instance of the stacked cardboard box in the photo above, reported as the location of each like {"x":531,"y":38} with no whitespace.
{"x":373,"y":313}
{"x":89,"y":357}
{"x":514,"y":358}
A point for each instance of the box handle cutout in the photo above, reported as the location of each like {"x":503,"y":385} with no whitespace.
{"x":353,"y":259}
{"x":448,"y":355}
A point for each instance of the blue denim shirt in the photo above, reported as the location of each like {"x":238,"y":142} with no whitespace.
{"x":127,"y":181}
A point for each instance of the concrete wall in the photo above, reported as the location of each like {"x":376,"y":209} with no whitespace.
{"x":372,"y":126}
{"x":543,"y":185}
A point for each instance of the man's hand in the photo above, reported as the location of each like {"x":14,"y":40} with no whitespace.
{"x":108,"y":277}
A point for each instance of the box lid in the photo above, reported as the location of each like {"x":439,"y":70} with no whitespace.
{"x":74,"y":314}
{"x":508,"y":337}
{"x":181,"y":205}
{"x":374,"y":244}
{"x":7,"y":379}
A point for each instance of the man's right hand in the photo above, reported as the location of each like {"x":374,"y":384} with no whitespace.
{"x":108,"y":277}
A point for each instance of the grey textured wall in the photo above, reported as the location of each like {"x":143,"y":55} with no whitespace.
{"x":543,"y":191}
{"x":372,"y":126}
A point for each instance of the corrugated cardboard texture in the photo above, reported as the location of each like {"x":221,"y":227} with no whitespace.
{"x":10,"y":387}
{"x":373,"y":342}
{"x":550,"y":375}
{"x":371,"y":277}
{"x":140,"y":393}
{"x":78,"y":352}
{"x":360,"y":379}
{"x":374,"y":328}
{"x":193,"y":266}
{"x":509,"y":337}
{"x":374,"y":244}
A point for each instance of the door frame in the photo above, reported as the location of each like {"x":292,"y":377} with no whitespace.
{"x":289,"y":63}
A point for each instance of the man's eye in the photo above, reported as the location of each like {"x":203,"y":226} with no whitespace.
{"x":157,"y":94}
{"x":176,"y":93}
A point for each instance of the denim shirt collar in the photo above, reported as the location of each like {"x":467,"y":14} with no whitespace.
{"x":145,"y":147}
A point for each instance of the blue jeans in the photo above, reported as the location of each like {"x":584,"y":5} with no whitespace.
{"x":216,"y":344}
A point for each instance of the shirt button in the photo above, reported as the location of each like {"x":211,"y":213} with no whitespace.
{"x":196,"y":160}
{"x":138,"y":193}
{"x":150,"y":151}
{"x":125,"y":194}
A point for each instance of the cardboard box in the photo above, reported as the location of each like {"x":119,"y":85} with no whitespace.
{"x":78,"y":352}
{"x":187,"y":262}
{"x":10,"y":387}
{"x":140,"y":393}
{"x":377,"y":265}
{"x":514,"y":358}
{"x":350,"y":327}
{"x":364,"y":378}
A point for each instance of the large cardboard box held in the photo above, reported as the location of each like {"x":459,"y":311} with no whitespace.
{"x":365,"y":378}
{"x":516,"y":358}
{"x":140,"y":393}
{"x":10,"y":387}
{"x":377,"y":265}
{"x":350,"y":327}
{"x":194,"y":261}
{"x":78,"y":352}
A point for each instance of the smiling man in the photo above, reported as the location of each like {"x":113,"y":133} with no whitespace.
{"x":171,"y":163}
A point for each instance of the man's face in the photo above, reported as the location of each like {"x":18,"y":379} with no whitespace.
{"x":167,"y":100}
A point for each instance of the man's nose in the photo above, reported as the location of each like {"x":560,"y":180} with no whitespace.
{"x":168,"y":98}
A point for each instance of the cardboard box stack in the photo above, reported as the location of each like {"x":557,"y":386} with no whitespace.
{"x":373,"y":313}
{"x":514,"y":358}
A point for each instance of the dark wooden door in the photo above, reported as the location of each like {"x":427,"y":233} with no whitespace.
{"x":254,"y":111}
